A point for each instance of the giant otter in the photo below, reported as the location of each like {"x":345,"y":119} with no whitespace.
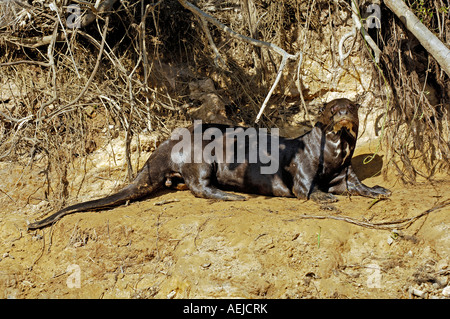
{"x":313,"y":166}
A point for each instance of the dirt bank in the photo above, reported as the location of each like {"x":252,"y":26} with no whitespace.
{"x":174,"y":245}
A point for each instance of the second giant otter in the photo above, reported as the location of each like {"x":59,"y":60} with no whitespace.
{"x":313,"y":166}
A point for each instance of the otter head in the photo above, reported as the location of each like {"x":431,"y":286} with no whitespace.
{"x":340,"y":115}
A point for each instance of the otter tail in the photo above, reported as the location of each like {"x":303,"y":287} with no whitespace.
{"x":143,"y":185}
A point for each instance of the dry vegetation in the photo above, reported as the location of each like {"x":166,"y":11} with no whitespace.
{"x":418,"y":125}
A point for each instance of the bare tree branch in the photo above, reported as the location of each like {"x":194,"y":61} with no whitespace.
{"x":285,"y":56}
{"x":366,"y":36}
{"x":88,"y":83}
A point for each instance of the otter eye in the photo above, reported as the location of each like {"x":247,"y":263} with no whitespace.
{"x":334,"y":109}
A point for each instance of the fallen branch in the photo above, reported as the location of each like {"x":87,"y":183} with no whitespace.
{"x":285,"y":56}
{"x":389,"y":225}
{"x":427,"y":39}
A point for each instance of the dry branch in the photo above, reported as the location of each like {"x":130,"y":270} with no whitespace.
{"x":366,"y":36}
{"x":88,"y":83}
{"x":211,"y":42}
{"x":33,"y":42}
{"x":389,"y":225}
{"x":51,"y":62}
{"x":285,"y":56}
{"x":93,"y":12}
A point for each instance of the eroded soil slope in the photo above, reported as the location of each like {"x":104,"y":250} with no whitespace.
{"x":174,"y":245}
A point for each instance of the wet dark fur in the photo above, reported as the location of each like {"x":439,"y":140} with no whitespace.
{"x":313,"y":166}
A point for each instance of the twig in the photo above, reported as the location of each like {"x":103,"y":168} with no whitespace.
{"x":299,"y":89}
{"x":33,"y":42}
{"x":54,"y":8}
{"x":167,"y":201}
{"x":40,"y":255}
{"x":376,"y":200}
{"x":16,"y":120}
{"x":211,"y":42}
{"x":21,"y":123}
{"x":128,"y":132}
{"x":366,"y":36}
{"x":157,"y":234}
{"x":277,"y":79}
{"x":2,"y":191}
{"x":143,"y":45}
{"x":396,"y":224}
{"x":24,"y":62}
{"x":51,"y":62}
{"x":88,"y":83}
{"x":199,"y":229}
{"x":233,"y":33}
{"x":286,"y":56}
{"x":343,"y":56}
{"x":97,"y":63}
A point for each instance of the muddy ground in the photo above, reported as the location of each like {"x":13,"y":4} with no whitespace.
{"x":174,"y":245}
